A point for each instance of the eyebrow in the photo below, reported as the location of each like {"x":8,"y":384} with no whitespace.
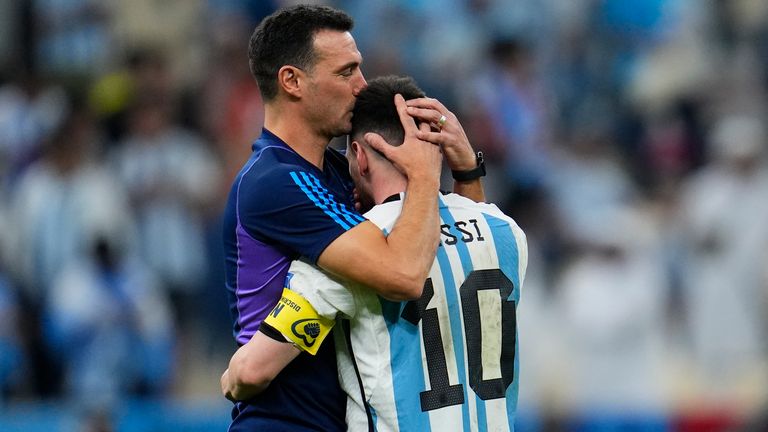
{"x":349,"y":65}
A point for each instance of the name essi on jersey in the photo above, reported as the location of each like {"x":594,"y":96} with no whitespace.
{"x":465,"y":231}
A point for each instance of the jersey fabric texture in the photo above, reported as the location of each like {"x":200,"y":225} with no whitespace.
{"x":280,"y":208}
{"x":445,"y":362}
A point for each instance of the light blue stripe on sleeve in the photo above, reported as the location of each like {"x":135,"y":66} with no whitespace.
{"x":506,"y":250}
{"x":327,"y":197}
{"x":341,"y":207}
{"x":317,"y":202}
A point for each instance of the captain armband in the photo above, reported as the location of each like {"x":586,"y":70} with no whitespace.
{"x":297,"y":320}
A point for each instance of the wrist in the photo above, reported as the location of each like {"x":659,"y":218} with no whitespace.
{"x":476,"y":171}
{"x":460,"y":157}
{"x":466,"y":164}
{"x":424,"y":180}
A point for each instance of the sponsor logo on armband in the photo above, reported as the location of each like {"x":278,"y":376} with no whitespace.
{"x":307,"y":329}
{"x":297,"y":320}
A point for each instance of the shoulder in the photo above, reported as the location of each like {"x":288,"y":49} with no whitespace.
{"x":327,"y":294}
{"x":490,"y":211}
{"x":385,"y":215}
{"x":302,"y":276}
{"x":454,"y":201}
{"x":270,"y":169}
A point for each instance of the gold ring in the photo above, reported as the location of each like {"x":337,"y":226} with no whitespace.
{"x":441,"y":122}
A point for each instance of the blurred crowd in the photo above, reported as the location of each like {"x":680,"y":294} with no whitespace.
{"x":627,"y":138}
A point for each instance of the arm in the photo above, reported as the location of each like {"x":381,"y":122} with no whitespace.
{"x":397,"y":265}
{"x":452,"y":139}
{"x":254,"y":365}
{"x":295,"y":319}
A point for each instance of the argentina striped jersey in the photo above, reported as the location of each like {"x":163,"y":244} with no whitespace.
{"x":445,"y":362}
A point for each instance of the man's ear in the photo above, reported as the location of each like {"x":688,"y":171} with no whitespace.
{"x":290,"y":78}
{"x":358,"y":150}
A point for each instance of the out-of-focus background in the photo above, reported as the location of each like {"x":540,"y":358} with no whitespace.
{"x":627,"y":138}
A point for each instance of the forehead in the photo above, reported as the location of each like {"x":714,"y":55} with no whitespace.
{"x":335,"y":48}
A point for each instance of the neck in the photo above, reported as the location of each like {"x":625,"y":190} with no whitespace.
{"x":386,"y":184}
{"x":288,"y":125}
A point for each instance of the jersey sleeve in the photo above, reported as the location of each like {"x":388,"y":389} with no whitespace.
{"x":327,"y":295}
{"x":295,"y":209}
{"x":309,"y":306}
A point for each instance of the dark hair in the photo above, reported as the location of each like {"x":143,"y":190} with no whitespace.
{"x":287,"y":38}
{"x":375,"y":107}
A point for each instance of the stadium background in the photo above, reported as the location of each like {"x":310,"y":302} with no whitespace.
{"x":626,"y":137}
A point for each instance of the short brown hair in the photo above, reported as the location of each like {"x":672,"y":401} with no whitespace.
{"x":286,"y":38}
{"x":375,"y":107}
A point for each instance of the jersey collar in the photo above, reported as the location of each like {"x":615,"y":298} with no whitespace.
{"x":400,"y":195}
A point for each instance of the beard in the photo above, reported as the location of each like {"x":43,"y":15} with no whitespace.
{"x":366,"y":202}
{"x":336,"y":129}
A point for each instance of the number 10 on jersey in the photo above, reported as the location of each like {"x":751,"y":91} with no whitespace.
{"x":478,"y":285}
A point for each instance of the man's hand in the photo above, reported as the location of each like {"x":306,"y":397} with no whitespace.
{"x":254,"y":365}
{"x":226,"y":387}
{"x":451,"y":137}
{"x":417,"y":159}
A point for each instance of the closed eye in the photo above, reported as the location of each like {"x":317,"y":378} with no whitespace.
{"x":348,"y":69}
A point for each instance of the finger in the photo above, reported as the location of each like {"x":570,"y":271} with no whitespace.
{"x":430,"y":136}
{"x":427,"y":115}
{"x":378,"y":143}
{"x":427,"y":103}
{"x":409,"y":124}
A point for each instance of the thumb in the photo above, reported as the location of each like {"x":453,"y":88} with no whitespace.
{"x":378,"y":143}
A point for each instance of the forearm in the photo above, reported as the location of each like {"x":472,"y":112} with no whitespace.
{"x":472,"y":189}
{"x":397,"y":265}
{"x":414,"y":238}
{"x":254,"y":365}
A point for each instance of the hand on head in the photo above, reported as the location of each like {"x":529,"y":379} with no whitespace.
{"x":448,"y":133}
{"x":415,"y":158}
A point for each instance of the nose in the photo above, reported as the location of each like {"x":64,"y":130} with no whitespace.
{"x":360,"y":84}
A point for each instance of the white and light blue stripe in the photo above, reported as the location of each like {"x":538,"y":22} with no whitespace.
{"x":509,"y":259}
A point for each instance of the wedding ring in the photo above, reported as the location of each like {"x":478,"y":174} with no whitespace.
{"x":441,"y":122}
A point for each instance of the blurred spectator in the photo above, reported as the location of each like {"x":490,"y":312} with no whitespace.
{"x":172,"y":179}
{"x":613,"y":297}
{"x":437,"y":41}
{"x":110,"y":325}
{"x":587,"y":182}
{"x":231,"y":108}
{"x":724,"y":207}
{"x":61,"y":202}
{"x":9,"y":29}
{"x":145,"y":72}
{"x":543,"y":356}
{"x":73,"y":37}
{"x":172,"y":26}
{"x":12,"y":356}
{"x":29,"y":112}
{"x":251,"y":12}
{"x":509,"y":116}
